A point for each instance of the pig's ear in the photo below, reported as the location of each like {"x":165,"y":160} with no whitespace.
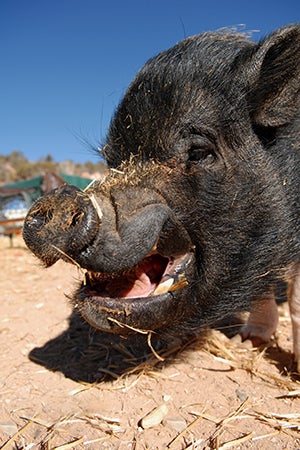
{"x":274,"y":78}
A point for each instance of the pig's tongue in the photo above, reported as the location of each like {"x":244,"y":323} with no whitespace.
{"x":142,"y":281}
{"x":138,"y":287}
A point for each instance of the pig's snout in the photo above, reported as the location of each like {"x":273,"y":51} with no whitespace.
{"x":108,"y":233}
{"x":61,"y":224}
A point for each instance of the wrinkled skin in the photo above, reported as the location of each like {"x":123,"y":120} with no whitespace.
{"x":200,"y":214}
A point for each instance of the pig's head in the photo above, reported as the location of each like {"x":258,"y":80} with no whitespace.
{"x":193,"y":221}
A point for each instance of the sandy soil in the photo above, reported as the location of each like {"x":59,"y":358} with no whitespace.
{"x":65,"y":386}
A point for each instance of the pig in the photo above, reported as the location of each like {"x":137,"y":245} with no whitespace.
{"x":199,"y":215}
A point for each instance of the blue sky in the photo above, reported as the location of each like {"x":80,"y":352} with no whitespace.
{"x":65,"y":64}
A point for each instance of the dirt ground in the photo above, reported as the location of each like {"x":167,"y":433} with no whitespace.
{"x":65,"y":386}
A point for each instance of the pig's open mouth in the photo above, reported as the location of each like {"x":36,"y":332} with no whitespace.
{"x":143,"y":298}
{"x":138,"y":267}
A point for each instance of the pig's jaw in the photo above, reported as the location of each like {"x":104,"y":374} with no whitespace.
{"x":142,"y":299}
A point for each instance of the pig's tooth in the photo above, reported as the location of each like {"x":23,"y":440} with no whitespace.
{"x":85,"y":278}
{"x":182,"y":282}
{"x":163,"y":287}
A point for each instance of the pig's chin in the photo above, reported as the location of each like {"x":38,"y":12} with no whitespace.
{"x":144,"y":298}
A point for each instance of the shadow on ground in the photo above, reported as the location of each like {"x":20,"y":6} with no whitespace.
{"x":283,"y":360}
{"x":84,"y":354}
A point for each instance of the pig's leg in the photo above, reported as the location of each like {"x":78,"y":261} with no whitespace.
{"x":262,"y":321}
{"x":294,"y":303}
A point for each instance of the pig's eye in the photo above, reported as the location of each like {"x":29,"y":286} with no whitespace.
{"x":204,"y":154}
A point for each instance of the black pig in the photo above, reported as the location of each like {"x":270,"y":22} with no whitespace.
{"x":200,"y":213}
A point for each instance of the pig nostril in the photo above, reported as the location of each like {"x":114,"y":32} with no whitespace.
{"x":48,"y":216}
{"x":40,"y":218}
{"x":76,"y":219}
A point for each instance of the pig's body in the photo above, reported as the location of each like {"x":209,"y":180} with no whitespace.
{"x":200,"y":215}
